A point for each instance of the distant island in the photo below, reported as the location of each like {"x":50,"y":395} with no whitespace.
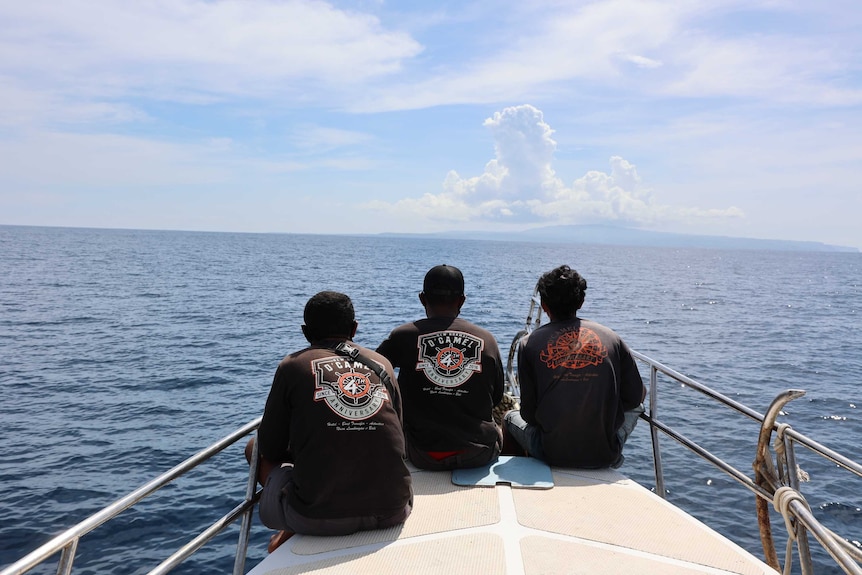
{"x":623,"y":236}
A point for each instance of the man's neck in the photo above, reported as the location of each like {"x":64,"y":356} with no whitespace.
{"x":325,"y":341}
{"x":445,"y":311}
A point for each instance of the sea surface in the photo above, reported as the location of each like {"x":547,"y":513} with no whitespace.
{"x":124,"y":352}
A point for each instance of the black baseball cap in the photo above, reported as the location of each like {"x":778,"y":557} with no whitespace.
{"x":444,"y":280}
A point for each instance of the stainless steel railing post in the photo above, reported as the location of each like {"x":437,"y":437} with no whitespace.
{"x":245,"y":527}
{"x":801,"y":533}
{"x":67,"y":557}
{"x":656,"y":450}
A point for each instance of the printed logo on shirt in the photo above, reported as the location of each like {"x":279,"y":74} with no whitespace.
{"x":575,"y":349}
{"x":449,"y":358}
{"x":347,"y":388}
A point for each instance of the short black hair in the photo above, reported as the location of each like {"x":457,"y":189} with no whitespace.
{"x":562,"y":291}
{"x":329,"y":314}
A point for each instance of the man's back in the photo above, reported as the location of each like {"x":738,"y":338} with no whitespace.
{"x":577,"y":378}
{"x":344,"y":435}
{"x":451,"y":376}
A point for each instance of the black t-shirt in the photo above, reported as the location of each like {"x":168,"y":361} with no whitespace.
{"x":341,"y":427}
{"x":451,"y":377}
{"x":577,"y":379}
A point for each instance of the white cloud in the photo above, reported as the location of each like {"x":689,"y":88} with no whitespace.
{"x":656,"y":48}
{"x":321,"y":138}
{"x":520,"y":186}
{"x":524,"y":150}
{"x":21,"y":106}
{"x":312,"y":52}
{"x":190,"y":48}
{"x":749,"y":103}
{"x":110,"y":160}
{"x":772,"y":68}
{"x":640,"y":61}
{"x":97,"y":160}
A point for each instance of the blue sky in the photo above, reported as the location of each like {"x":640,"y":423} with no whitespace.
{"x":737,"y":118}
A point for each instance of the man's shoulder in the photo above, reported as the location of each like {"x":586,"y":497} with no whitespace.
{"x":372,"y":354}
{"x":545,"y":330}
{"x":294,"y":355}
{"x":537,"y":337}
{"x":304,"y":358}
{"x":294,"y":367}
{"x":571,"y":324}
{"x":554,"y":329}
{"x":599,"y":328}
{"x":462,"y":324}
{"x":490,"y":346}
{"x":407,"y":328}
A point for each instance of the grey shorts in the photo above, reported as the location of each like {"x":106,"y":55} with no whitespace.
{"x":276,"y":513}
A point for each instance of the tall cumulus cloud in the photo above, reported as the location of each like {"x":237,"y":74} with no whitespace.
{"x":520,"y":186}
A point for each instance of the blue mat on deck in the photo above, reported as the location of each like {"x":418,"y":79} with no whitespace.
{"x":516,"y":471}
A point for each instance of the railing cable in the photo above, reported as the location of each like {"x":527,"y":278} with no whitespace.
{"x":68,"y":540}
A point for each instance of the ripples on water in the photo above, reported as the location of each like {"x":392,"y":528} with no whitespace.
{"x":124,"y":352}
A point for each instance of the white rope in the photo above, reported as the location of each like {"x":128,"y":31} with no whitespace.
{"x":778,"y":444}
{"x":788,"y":556}
{"x":781,"y":500}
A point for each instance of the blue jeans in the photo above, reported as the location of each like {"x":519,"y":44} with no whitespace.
{"x":529,"y":437}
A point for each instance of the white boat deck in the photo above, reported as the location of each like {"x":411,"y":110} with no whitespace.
{"x":589,"y":522}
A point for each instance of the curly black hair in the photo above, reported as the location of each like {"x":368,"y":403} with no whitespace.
{"x":562,"y":291}
{"x":329,"y":314}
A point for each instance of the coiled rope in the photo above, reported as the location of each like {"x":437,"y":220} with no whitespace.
{"x":781,"y":500}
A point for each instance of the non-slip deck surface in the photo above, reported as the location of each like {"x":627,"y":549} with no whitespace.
{"x":590,"y":522}
{"x":468,"y":555}
{"x":586,"y":505}
{"x":438,"y":506}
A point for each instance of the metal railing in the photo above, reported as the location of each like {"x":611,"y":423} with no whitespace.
{"x":776,"y":481}
{"x":66,"y":543}
{"x":779,"y":485}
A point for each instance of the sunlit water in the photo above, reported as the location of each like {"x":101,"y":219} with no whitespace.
{"x":123,"y":352}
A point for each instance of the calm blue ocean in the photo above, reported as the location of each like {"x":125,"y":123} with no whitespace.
{"x":123,"y":352}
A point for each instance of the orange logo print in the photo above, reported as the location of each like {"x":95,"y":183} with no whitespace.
{"x":449,"y":358}
{"x":575,"y":350}
{"x":346,"y":388}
